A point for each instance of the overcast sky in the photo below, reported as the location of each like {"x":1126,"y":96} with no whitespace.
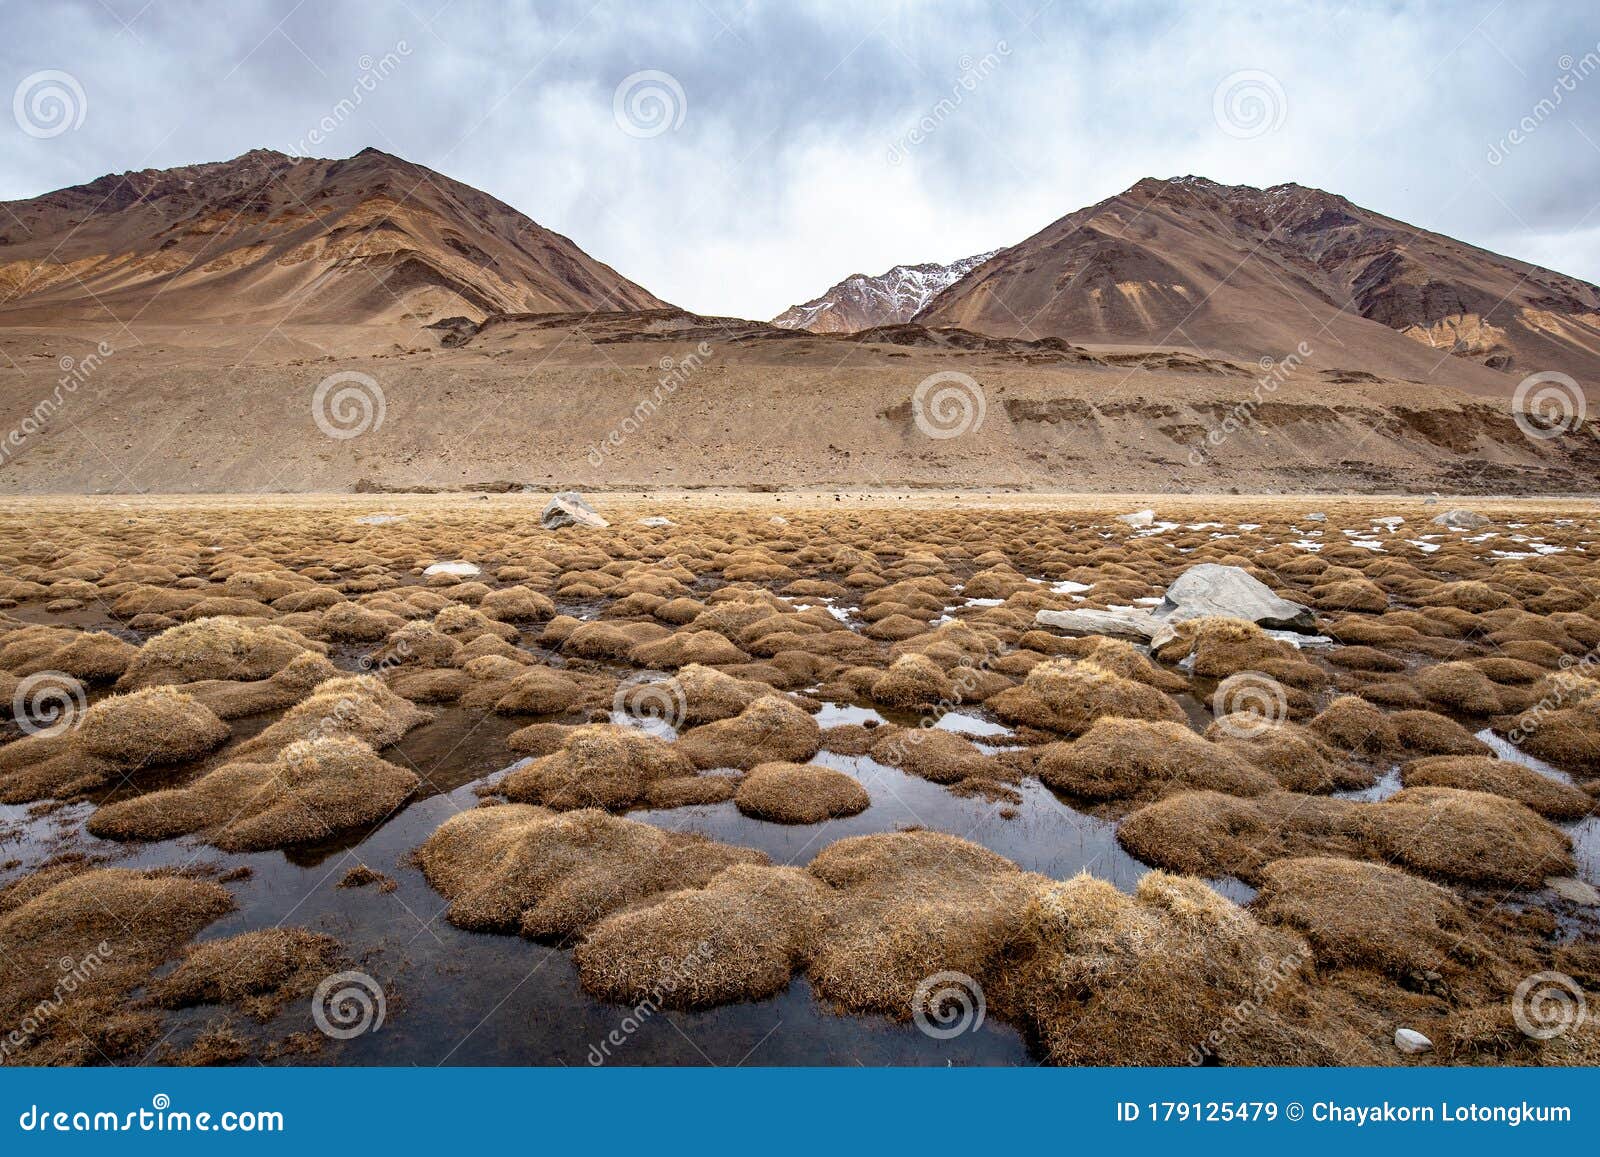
{"x":778,"y":147}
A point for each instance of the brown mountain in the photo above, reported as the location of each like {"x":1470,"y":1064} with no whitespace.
{"x":863,"y":302}
{"x":372,"y":238}
{"x":1245,"y":272}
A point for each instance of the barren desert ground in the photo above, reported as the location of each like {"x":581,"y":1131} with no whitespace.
{"x":798,"y":778}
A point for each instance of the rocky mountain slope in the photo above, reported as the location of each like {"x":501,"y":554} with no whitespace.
{"x":1251,"y":273}
{"x":267,"y":237}
{"x":861,"y":302}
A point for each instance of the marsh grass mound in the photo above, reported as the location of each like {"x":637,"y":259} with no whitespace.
{"x":313,"y":789}
{"x":741,"y":937}
{"x":1549,"y":797}
{"x":78,"y":946}
{"x":1568,"y":737}
{"x":909,"y":905}
{"x":709,"y":695}
{"x":256,"y":972}
{"x":1364,"y":915}
{"x":1295,"y":757}
{"x":795,"y":793}
{"x":115,"y":738}
{"x":771,"y":730}
{"x":1119,"y":759}
{"x":551,"y":876}
{"x":1154,"y":978}
{"x":599,"y":765}
{"x":350,"y":707}
{"x":1355,"y":728}
{"x":1458,"y":836}
{"x":1068,"y":695}
{"x":215,"y":648}
{"x":230,"y":699}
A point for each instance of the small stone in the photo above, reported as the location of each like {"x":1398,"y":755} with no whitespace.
{"x":1409,"y":1040}
{"x":569,"y":508}
{"x":656,"y":520}
{"x":1138,"y":518}
{"x":1316,"y":516}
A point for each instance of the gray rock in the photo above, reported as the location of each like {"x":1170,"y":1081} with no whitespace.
{"x":656,"y":520}
{"x":1461,"y":520}
{"x":569,"y":509}
{"x":1316,"y":516}
{"x":1139,"y":626}
{"x":1138,"y":518}
{"x":460,"y":568}
{"x":1409,"y":1040}
{"x":1232,"y":592}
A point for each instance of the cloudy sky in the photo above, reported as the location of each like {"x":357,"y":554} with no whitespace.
{"x":771,"y":149}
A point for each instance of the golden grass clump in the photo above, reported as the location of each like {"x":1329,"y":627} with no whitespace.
{"x":313,"y":789}
{"x":1549,"y":797}
{"x":1068,"y":695}
{"x":1459,"y":687}
{"x":1460,"y":836}
{"x":598,"y":765}
{"x":1365,"y":915}
{"x":1354,"y":727}
{"x":1120,"y":759}
{"x":1167,"y":975}
{"x":709,"y":695}
{"x":158,"y":725}
{"x":1429,"y":733}
{"x":87,"y":940}
{"x":257,"y":972}
{"x":908,"y":905}
{"x":1568,"y":736}
{"x":215,"y":648}
{"x":741,"y":937}
{"x":681,"y":648}
{"x":913,"y":681}
{"x":354,"y":706}
{"x":537,"y":691}
{"x":799,"y":793}
{"x":1291,"y":754}
{"x":231,"y":699}
{"x":552,"y":876}
{"x":772,"y":729}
